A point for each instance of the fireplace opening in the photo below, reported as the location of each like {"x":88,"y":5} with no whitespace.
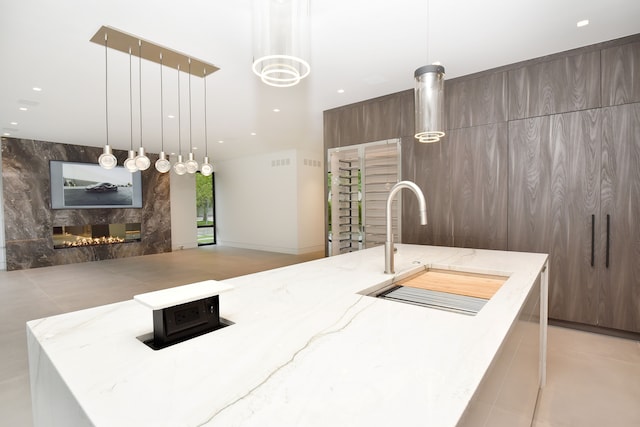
{"x":73,"y":236}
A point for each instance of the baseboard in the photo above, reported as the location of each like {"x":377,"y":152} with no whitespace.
{"x":596,"y":329}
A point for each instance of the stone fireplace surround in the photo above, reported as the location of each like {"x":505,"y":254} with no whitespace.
{"x":29,"y":219}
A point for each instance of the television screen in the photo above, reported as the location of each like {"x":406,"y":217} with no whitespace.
{"x":89,"y":186}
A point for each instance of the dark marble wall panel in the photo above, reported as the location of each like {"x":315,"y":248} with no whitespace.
{"x":621,"y":74}
{"x":478,"y":101}
{"x":561,"y":85}
{"x":29,"y":220}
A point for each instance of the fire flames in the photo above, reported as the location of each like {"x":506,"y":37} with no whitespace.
{"x":93,"y":241}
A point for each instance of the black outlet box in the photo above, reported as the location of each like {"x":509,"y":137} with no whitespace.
{"x":184,"y":321}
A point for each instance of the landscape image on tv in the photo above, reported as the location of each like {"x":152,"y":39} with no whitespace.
{"x":84,"y":185}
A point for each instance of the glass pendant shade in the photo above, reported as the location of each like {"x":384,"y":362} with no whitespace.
{"x":281,"y":41}
{"x":179,"y":167}
{"x":429,"y":103}
{"x":142,"y":161}
{"x":191,"y":164}
{"x":130,"y":163}
{"x":107,"y":160}
{"x":206,"y":168}
{"x":162,"y":164}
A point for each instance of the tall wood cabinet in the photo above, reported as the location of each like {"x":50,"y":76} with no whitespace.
{"x":619,"y":299}
{"x":574,"y":184}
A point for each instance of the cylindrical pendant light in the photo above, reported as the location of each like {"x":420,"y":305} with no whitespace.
{"x":206,"y":168}
{"x":130,"y":162}
{"x":281,"y":41}
{"x":179,"y":167}
{"x":142,"y":161}
{"x":162,"y":164}
{"x":107,"y":160}
{"x":429,"y":103}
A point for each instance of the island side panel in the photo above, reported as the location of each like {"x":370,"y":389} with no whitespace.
{"x":52,"y":403}
{"x":508,"y":393}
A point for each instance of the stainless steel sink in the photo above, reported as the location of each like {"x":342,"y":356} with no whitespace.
{"x":434,"y":299}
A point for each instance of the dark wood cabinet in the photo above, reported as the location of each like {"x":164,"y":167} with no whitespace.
{"x":619,"y":260}
{"x":554,"y":199}
{"x":478,"y":174}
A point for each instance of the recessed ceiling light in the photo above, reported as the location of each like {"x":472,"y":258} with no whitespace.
{"x":340,"y":90}
{"x":220,"y":142}
{"x":582,"y":23}
{"x":253,"y":134}
{"x":37,"y":89}
{"x":6,"y":134}
{"x":14,"y":123}
{"x":195,"y":148}
{"x":171,"y":116}
{"x":276,"y":110}
{"x":23,"y":108}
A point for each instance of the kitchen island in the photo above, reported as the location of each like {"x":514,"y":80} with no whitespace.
{"x":306,"y":347}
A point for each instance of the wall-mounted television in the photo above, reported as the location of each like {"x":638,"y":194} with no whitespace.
{"x":89,"y":186}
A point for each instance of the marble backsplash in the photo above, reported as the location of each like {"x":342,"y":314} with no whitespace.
{"x":29,"y":219}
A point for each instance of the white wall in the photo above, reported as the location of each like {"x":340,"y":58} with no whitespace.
{"x":184,"y":232}
{"x":270,"y":202}
{"x":311,"y":182}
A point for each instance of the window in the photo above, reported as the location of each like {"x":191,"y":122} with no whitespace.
{"x":205,"y":209}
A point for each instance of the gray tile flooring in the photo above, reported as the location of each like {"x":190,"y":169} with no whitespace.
{"x":593,"y":380}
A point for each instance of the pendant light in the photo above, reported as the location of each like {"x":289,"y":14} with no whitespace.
{"x":179,"y":167}
{"x":191,"y":164}
{"x":281,"y":41}
{"x":107,"y":160}
{"x":206,"y":168}
{"x":162,"y":164}
{"x":429,"y":99}
{"x":130,"y":163}
{"x":142,"y":161}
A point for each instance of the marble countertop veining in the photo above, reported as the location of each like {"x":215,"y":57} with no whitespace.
{"x":306,"y":349}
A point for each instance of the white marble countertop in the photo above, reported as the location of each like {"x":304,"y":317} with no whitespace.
{"x":305,"y":349}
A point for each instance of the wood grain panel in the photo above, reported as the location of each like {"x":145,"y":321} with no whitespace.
{"x":479,"y":186}
{"x":619,"y":306}
{"x":566,"y":84}
{"x":428,"y":166}
{"x":479,"y":101}
{"x":455,"y":282}
{"x":621,"y":74}
{"x":553,"y":198}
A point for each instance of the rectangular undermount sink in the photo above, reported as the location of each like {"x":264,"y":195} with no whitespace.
{"x":460,"y":292}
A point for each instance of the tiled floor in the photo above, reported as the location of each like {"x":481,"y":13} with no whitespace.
{"x":593,"y":380}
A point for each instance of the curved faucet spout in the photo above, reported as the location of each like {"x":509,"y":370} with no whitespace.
{"x":422,"y":206}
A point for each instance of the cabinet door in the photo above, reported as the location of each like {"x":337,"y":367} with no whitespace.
{"x":479,"y":186}
{"x":554,"y":194}
{"x":619,"y":306}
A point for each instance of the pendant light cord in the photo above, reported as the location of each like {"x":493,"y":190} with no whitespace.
{"x":190,"y":144}
{"x":179,"y":116}
{"x":130,"y":104}
{"x":106,"y":88}
{"x":161,"y":109}
{"x":140,"y":84}
{"x":206,"y":139}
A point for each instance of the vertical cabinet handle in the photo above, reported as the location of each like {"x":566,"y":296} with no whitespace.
{"x":608,"y":235}
{"x":593,"y":236}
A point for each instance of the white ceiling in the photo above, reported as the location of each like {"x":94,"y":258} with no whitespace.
{"x":368,"y":48}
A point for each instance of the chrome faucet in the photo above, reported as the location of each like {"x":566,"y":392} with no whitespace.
{"x":388,"y":245}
